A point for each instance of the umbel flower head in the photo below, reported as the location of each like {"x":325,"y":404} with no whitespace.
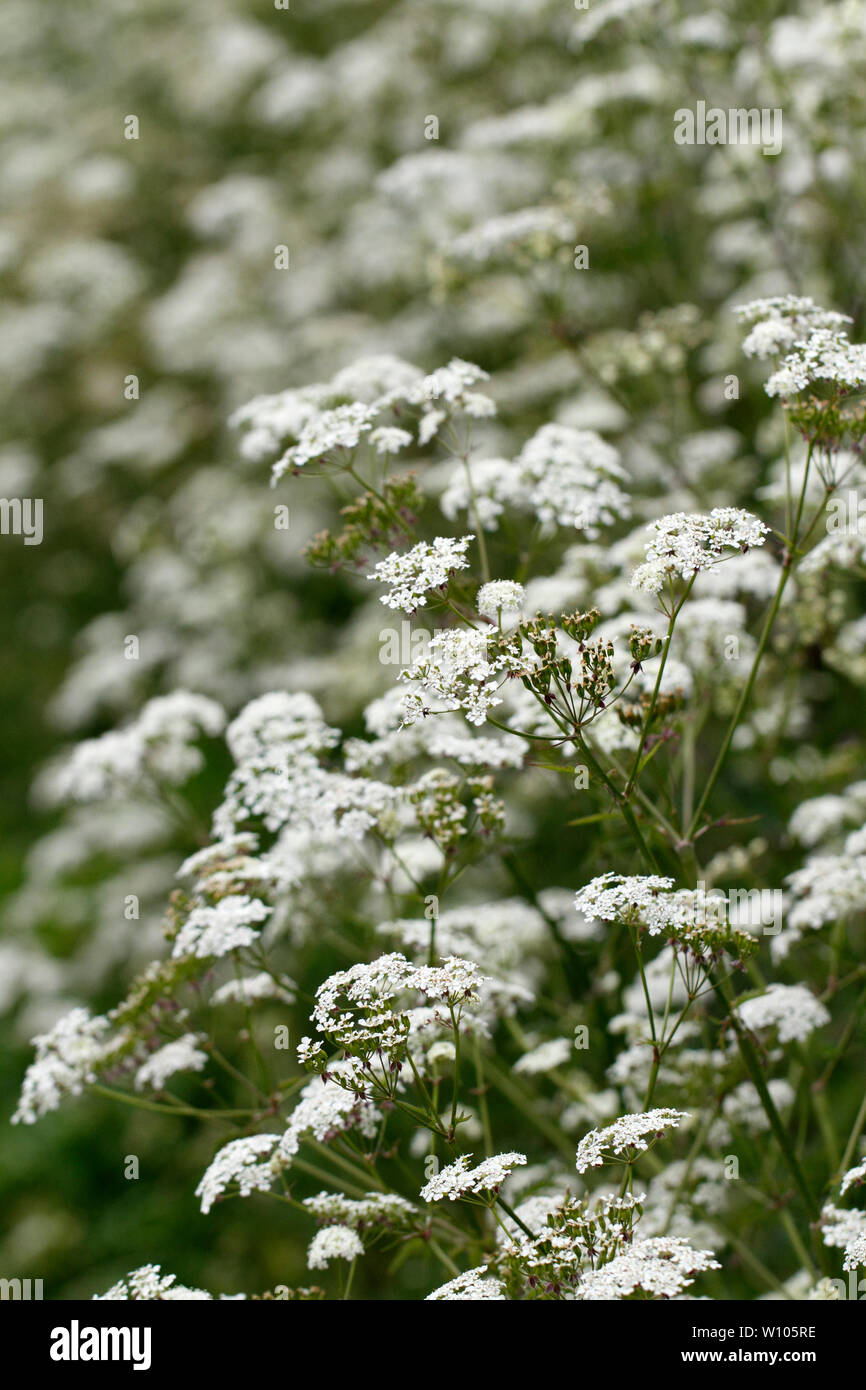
{"x":821,"y":375}
{"x":564,"y":477}
{"x":157,"y":747}
{"x":825,"y":359}
{"x":684,"y":543}
{"x":459,"y":1180}
{"x":472,"y":1287}
{"x":642,"y":899}
{"x":783,"y":320}
{"x":695,"y":918}
{"x":462,"y":670}
{"x":792,"y":1009}
{"x":385,"y":1209}
{"x":412,"y":574}
{"x":68,"y":1058}
{"x":149,"y":1284}
{"x":660,"y":1266}
{"x":184,"y":1054}
{"x":627,"y":1137}
{"x":499,"y":596}
{"x":333,"y":1243}
{"x":363,"y":1010}
{"x":855,"y":1177}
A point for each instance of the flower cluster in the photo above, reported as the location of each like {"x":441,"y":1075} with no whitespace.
{"x":564,"y":477}
{"x":792,"y":1009}
{"x":158,"y":747}
{"x":68,"y":1058}
{"x":426,"y":566}
{"x":150,"y":1284}
{"x":458,"y":1180}
{"x":682,"y":545}
{"x":626,"y":1137}
{"x":455,"y":795}
{"x":359,"y":1009}
{"x":333,"y":1243}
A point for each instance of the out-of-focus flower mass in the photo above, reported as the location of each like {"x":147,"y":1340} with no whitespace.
{"x":433,"y":541}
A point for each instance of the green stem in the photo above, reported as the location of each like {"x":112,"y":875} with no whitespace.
{"x":745,"y":694}
{"x":441,"y":1255}
{"x":483,"y":1107}
{"x":675,"y":610}
{"x":742,"y":702}
{"x":753,"y":1067}
{"x":623,"y":806}
{"x":141,"y":1104}
{"x":509,"y":1211}
{"x":853,"y":1137}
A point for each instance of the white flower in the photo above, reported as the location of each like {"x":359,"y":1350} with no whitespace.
{"x":546,"y":1057}
{"x":157,"y":745}
{"x":216,"y":856}
{"x":844,"y":551}
{"x":309,"y":1050}
{"x":845,"y":1230}
{"x":375,"y":379}
{"x":148,"y":1283}
{"x":279,"y":778}
{"x":356,"y":1007}
{"x":535,"y":229}
{"x":340,"y":428}
{"x":855,"y":1253}
{"x":825,"y":1291}
{"x":460,"y":670}
{"x":662,"y":1266}
{"x":66,"y":1061}
{"x":793,"y":1008}
{"x":472,"y":1287}
{"x":571,"y":478}
{"x":375,"y":1209}
{"x":325,"y":1109}
{"x":255,"y":988}
{"x":684,"y":543}
{"x":626,"y":1137}
{"x":782,"y":321}
{"x":429,"y":424}
{"x":270,"y":420}
{"x":275,"y":727}
{"x":333,"y":1243}
{"x":744,"y":1109}
{"x":825,"y":356}
{"x":182,"y":1055}
{"x":483,"y":487}
{"x":855,"y":1177}
{"x":500,"y":595}
{"x":506,"y":937}
{"x":458,"y":1179}
{"x":214,"y":931}
{"x":449,"y":384}
{"x":828,"y":888}
{"x":564,"y":476}
{"x":389,"y":439}
{"x":639,"y":898}
{"x":414,"y":572}
{"x":246,"y":1162}
{"x":814,"y":820}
